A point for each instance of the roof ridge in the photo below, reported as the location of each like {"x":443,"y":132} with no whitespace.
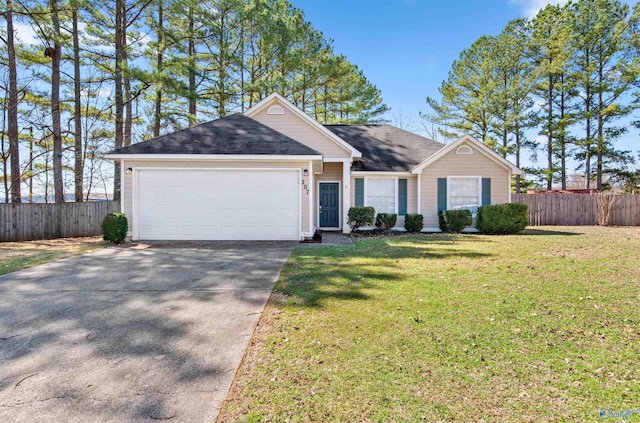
{"x":356,"y":124}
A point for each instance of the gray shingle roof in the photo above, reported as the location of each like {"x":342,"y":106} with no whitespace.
{"x":386,"y":148}
{"x":235,"y":134}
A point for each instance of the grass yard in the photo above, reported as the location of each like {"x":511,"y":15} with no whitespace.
{"x":543,"y":326}
{"x":20,"y":255}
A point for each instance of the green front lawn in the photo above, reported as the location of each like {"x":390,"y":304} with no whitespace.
{"x":543,"y":326}
{"x":20,"y":255}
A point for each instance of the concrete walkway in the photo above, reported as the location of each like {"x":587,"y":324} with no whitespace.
{"x":131,"y":335}
{"x":331,"y":239}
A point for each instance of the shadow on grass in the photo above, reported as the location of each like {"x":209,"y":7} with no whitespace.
{"x":542,"y":232}
{"x":313,"y":276}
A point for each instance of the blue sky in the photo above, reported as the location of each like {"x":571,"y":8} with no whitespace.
{"x":406,"y":47}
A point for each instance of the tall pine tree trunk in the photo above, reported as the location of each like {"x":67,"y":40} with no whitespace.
{"x":587,"y":110}
{"x":505,"y":124}
{"x":242,"y":93}
{"x":77,"y":109}
{"x":222,"y":66}
{"x":600,"y":145}
{"x":550,"y":135}
{"x":119,"y":102}
{"x":517,"y":131}
{"x":128,"y":103}
{"x":55,"y":53}
{"x":14,"y":145}
{"x":562,"y":136}
{"x":159,"y":58}
{"x":191,"y":52}
{"x":587,"y":164}
{"x":5,"y":168}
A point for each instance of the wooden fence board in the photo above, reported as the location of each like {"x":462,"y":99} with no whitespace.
{"x":25,"y":222}
{"x":577,"y":209}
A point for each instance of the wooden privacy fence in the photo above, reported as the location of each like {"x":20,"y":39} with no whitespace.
{"x":25,"y":222}
{"x":577,"y":209}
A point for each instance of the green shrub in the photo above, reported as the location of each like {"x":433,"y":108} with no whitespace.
{"x":502,"y":219}
{"x":360,"y":216}
{"x":413,"y":222}
{"x":114,"y":227}
{"x":454,"y":221}
{"x":386,"y":221}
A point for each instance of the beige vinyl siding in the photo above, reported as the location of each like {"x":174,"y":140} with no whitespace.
{"x":452,"y":164}
{"x":412,"y":194}
{"x":128,"y":178}
{"x":332,"y":173}
{"x":301,"y":131}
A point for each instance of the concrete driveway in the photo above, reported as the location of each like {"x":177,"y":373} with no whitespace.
{"x":125,"y":334}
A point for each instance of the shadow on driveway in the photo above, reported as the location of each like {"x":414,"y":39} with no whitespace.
{"x":128,"y":334}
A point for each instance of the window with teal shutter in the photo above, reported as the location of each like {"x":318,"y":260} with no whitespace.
{"x":486,"y":191}
{"x":402,"y":197}
{"x":442,"y":194}
{"x":359,"y":192}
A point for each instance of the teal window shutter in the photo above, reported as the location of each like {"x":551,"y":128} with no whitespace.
{"x":486,"y":191}
{"x":442,"y":194}
{"x":359,"y":192}
{"x":402,"y":197}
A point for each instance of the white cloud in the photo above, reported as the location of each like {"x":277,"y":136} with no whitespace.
{"x":531,"y":7}
{"x":26,"y":34}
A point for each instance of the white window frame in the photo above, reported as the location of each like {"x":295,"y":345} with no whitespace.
{"x":275,"y":110}
{"x":464,"y":150}
{"x":395,"y":189}
{"x":449,"y":178}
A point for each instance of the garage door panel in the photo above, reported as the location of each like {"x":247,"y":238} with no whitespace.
{"x":182,"y":204}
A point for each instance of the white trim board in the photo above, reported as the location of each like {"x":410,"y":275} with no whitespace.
{"x":379,"y":173}
{"x":217,"y":157}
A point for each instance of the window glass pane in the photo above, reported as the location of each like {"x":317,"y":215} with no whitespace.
{"x":464,"y":194}
{"x":381,"y":195}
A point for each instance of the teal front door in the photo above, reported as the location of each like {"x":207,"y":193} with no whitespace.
{"x":329,"y":204}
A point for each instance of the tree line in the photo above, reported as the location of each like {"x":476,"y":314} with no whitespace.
{"x":103,"y":74}
{"x":569,"y":75}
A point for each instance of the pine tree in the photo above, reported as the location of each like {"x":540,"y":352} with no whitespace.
{"x":12,"y":109}
{"x":467,"y":106}
{"x":605,"y":71}
{"x":549,"y":50}
{"x":512,"y":98}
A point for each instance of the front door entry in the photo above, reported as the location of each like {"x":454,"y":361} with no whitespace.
{"x":329,"y":205}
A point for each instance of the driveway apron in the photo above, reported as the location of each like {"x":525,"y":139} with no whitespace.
{"x":131,"y":335}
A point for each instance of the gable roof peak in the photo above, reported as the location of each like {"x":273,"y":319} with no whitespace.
{"x":261,"y":105}
{"x":481,"y":147}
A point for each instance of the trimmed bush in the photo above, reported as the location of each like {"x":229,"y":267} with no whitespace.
{"x":502,"y":219}
{"x":454,"y":221}
{"x":114,"y":227}
{"x":386,"y":221}
{"x":413,"y":222}
{"x":360,"y":216}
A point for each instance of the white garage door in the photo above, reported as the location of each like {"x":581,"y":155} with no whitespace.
{"x":185,"y":204}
